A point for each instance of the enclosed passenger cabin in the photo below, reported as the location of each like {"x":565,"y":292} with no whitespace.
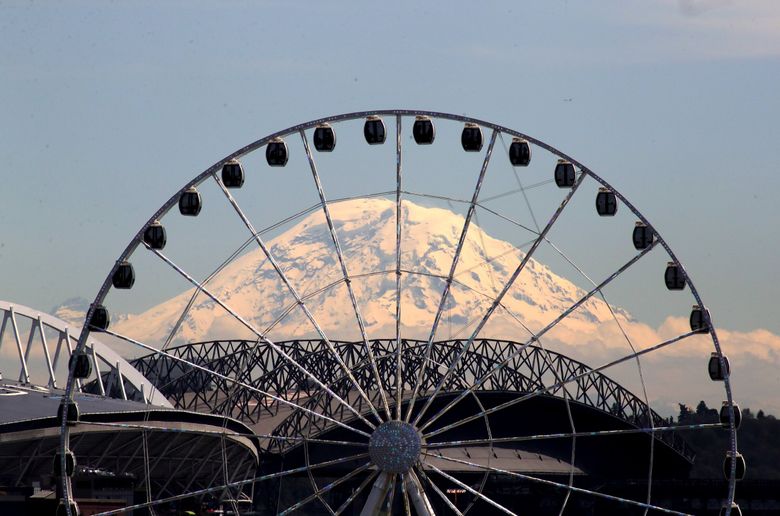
{"x":739,"y":463}
{"x":700,"y":320}
{"x":276,"y":153}
{"x":374,"y":130}
{"x":735,"y":510}
{"x":519,"y":152}
{"x":81,"y":365}
{"x":100,"y":318}
{"x":724,"y":417}
{"x":124,"y":275}
{"x":564,"y":174}
{"x":62,"y":510}
{"x":190,"y":202}
{"x":471,"y":138}
{"x":72,"y":412}
{"x":674,"y":277}
{"x":154,"y":235}
{"x":716,"y":370}
{"x":233,"y":174}
{"x":606,"y":202}
{"x":324,"y":138}
{"x":70,"y":464}
{"x":643,"y":236}
{"x":423,"y":130}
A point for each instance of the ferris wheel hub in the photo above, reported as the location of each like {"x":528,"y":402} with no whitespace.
{"x":395,"y":446}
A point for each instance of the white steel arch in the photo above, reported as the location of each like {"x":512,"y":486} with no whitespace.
{"x":110,"y":368}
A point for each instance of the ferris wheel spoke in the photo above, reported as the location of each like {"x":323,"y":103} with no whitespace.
{"x":633,"y":349}
{"x":314,"y":293}
{"x":559,"y":385}
{"x":298,"y":299}
{"x":193,"y":298}
{"x":387,"y":356}
{"x":226,"y":476}
{"x":377,"y":495}
{"x":521,"y":187}
{"x":237,"y":253}
{"x":233,"y":381}
{"x":489,"y":261}
{"x":246,"y":244}
{"x":273,"y":345}
{"x":453,"y":267}
{"x":551,"y":483}
{"x":234,"y":484}
{"x":545,"y":353}
{"x":501,"y":295}
{"x":566,"y":435}
{"x":319,"y":492}
{"x":405,"y":497}
{"x":230,"y":260}
{"x":171,"y":430}
{"x":416,"y":494}
{"x":549,"y":363}
{"x":641,"y":379}
{"x":491,"y":298}
{"x":480,"y":204}
{"x":399,"y":386}
{"x":238,"y":354}
{"x":533,"y":339}
{"x":289,"y":308}
{"x":518,"y":190}
{"x":371,"y":476}
{"x":147,"y":479}
{"x":345,"y":272}
{"x":310,"y":473}
{"x":573,"y":435}
{"x":439,"y":492}
{"x":391,"y":494}
{"x":468,"y":487}
{"x":566,"y":397}
{"x":643,"y":384}
{"x":363,"y":363}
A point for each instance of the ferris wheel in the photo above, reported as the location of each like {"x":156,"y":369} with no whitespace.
{"x":430,"y":417}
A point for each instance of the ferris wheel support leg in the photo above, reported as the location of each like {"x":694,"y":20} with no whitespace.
{"x":377,"y":496}
{"x":419,"y":499}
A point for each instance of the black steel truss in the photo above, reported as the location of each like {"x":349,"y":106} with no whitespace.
{"x":259,"y":366}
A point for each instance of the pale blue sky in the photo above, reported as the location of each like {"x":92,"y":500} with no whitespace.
{"x":107,"y":108}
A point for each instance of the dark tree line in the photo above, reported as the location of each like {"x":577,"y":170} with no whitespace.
{"x":758,"y":440}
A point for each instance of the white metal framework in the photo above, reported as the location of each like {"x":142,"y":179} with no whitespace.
{"x":27,"y":329}
{"x":390,"y":418}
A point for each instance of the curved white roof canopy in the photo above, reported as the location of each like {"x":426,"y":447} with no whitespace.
{"x":33,"y":353}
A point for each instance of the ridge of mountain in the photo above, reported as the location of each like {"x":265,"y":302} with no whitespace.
{"x":366,"y":231}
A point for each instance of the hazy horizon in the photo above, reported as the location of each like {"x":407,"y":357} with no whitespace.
{"x":111,"y":108}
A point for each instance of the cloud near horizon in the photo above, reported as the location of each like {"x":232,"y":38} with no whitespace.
{"x":678,"y":373}
{"x":754,"y":357}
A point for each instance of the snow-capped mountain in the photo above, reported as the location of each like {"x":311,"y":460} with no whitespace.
{"x":366,"y":230}
{"x":367,"y":233}
{"x":71,"y":311}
